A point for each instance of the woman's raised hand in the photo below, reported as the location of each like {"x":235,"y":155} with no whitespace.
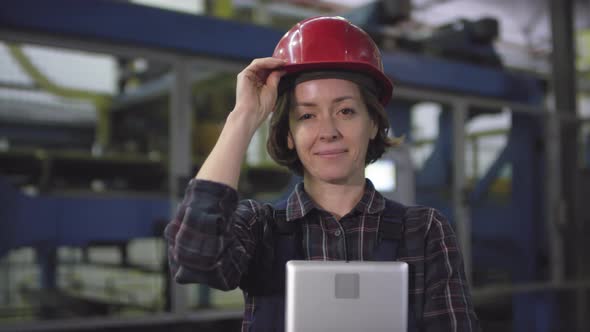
{"x":256,"y":94}
{"x":256,"y":89}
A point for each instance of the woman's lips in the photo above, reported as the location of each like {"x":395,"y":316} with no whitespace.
{"x":330,"y":152}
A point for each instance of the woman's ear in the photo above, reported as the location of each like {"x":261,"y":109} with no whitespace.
{"x":374,"y":130}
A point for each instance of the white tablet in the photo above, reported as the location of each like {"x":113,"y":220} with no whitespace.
{"x":346,"y":296}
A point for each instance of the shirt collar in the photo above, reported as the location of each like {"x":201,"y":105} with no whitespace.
{"x":299,"y":204}
{"x":372,"y":201}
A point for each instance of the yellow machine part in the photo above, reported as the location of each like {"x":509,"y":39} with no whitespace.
{"x":101,"y":102}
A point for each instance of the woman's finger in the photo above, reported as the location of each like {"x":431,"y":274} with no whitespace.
{"x":274,"y":78}
{"x":266,"y":63}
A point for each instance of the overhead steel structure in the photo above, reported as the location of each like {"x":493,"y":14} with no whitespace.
{"x":191,"y":42}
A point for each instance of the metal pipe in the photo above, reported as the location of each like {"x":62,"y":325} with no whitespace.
{"x":444,"y":97}
{"x":209,"y":62}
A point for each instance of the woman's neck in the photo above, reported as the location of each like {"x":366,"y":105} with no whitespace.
{"x":338,"y":199}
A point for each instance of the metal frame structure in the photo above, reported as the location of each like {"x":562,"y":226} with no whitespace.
{"x":531,"y":298}
{"x":188,"y":42}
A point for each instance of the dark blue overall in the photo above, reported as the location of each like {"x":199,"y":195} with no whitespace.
{"x":268,"y":285}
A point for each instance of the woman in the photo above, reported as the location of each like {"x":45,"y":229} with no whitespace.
{"x":327,"y":86}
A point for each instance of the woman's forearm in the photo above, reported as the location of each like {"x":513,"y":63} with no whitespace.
{"x":210,"y":239}
{"x":224,"y":162}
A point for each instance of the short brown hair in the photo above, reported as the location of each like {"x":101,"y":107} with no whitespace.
{"x":279,"y":129}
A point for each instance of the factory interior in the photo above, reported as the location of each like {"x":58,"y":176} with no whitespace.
{"x":109,"y":107}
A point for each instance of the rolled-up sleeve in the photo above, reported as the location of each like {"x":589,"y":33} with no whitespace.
{"x":212,"y":238}
{"x":448,"y":305}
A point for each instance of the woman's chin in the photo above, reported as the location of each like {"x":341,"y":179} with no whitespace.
{"x":335,"y":178}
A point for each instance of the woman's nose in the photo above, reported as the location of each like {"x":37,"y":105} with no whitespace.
{"x":328,"y":130}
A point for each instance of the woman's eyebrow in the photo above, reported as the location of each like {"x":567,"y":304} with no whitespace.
{"x":305,"y":104}
{"x":311,"y":104}
{"x":339,"y":99}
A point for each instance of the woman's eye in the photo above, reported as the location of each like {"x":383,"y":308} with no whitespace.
{"x":347,"y":111}
{"x":306,"y":116}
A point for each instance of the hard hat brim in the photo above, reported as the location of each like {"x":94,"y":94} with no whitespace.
{"x":383,"y":82}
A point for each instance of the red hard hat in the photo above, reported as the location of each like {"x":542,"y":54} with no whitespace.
{"x":332,"y":42}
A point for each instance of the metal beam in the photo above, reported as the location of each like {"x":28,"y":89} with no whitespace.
{"x":160,"y":34}
{"x":496,"y":290}
{"x":126,"y":23}
{"x":460,"y":207}
{"x":181,"y":119}
{"x":565,"y":93}
{"x":163,"y":321}
{"x":553,"y":197}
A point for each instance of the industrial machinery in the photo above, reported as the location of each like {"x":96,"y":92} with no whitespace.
{"x":133,"y":150}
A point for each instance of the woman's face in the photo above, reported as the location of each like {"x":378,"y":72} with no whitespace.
{"x":330,"y":129}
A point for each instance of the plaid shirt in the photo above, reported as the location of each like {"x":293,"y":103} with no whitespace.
{"x":213,"y":238}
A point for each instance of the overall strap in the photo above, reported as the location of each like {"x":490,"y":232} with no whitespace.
{"x":288,"y":235}
{"x":271,"y":255}
{"x":393,"y":220}
{"x":281,"y":226}
{"x":391,"y":232}
{"x":414,"y":247}
{"x":267,"y":284}
{"x":396,"y":243}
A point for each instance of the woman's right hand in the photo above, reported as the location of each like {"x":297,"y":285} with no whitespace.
{"x":256,"y":94}
{"x":256,"y":89}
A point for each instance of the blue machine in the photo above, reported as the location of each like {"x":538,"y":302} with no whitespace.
{"x":507,"y":233}
{"x":46,"y":222}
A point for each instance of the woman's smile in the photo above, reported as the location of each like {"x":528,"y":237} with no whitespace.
{"x":331,"y":153}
